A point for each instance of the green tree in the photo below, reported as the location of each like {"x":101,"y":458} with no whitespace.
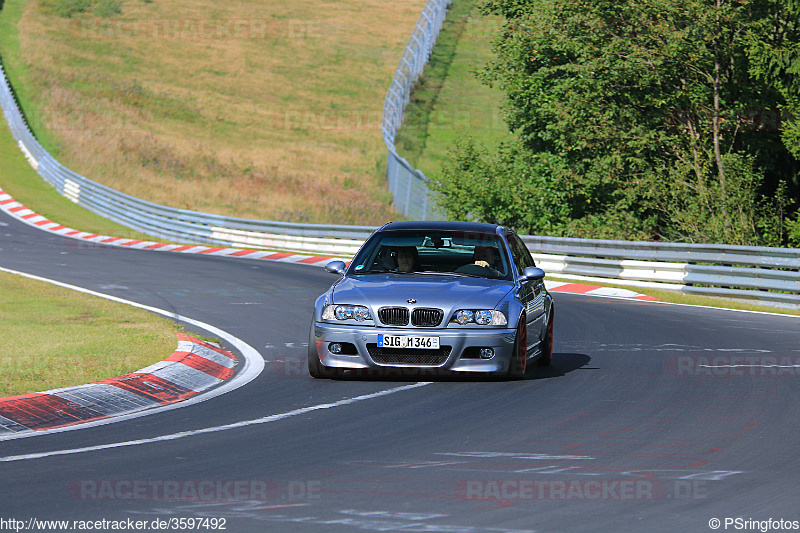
{"x":511,"y":186}
{"x":648,"y":105}
{"x":774,"y":53}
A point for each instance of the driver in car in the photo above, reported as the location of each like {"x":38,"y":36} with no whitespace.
{"x":406,"y":259}
{"x":487,"y":257}
{"x":484,"y":256}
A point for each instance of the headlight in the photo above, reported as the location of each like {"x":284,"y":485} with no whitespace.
{"x":464,"y":316}
{"x":483,"y":317}
{"x":346,"y":312}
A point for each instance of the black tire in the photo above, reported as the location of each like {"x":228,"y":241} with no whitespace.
{"x":519,"y":361}
{"x":547,"y":342}
{"x":315,"y":366}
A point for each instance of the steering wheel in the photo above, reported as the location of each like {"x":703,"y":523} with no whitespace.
{"x":477,"y":270}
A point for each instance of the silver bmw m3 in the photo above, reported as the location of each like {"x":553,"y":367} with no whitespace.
{"x":434,"y":298}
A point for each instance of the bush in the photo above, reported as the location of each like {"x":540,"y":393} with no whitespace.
{"x":509,"y":186}
{"x":68,"y":8}
{"x":793,"y":227}
{"x":108,"y":8}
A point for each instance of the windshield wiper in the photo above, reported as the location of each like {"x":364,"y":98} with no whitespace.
{"x":427,"y":272}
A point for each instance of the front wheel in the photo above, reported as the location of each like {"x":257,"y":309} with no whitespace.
{"x":315,"y":366}
{"x":519,"y":360}
{"x":547,"y":342}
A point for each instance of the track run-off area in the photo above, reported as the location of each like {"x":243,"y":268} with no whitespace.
{"x":653,"y":417}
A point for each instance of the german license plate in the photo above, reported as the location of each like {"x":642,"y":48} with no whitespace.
{"x":408,"y":341}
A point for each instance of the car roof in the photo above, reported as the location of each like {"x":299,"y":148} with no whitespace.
{"x":442,"y":225}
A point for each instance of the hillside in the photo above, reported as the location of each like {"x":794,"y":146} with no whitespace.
{"x":265,"y":109}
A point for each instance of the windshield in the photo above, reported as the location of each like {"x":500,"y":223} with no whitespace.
{"x":433,"y":252}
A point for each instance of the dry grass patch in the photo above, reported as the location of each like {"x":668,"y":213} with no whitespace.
{"x":264,"y":109}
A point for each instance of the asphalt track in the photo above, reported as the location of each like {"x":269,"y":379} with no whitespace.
{"x":652,"y":418}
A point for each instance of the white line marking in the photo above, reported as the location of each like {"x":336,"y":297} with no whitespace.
{"x":215,"y":429}
{"x":252,"y":365}
{"x":513,"y":455}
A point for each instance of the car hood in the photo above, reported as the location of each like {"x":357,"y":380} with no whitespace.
{"x":429,"y":290}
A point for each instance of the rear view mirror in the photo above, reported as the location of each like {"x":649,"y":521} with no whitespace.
{"x":532,"y":273}
{"x":336,"y":267}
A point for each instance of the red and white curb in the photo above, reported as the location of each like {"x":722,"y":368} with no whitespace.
{"x":596,"y":290}
{"x":194,"y":367}
{"x":22,"y":213}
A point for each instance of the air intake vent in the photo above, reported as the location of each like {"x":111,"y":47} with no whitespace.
{"x":393,"y":316}
{"x":400,"y":356}
{"x":427,"y":318}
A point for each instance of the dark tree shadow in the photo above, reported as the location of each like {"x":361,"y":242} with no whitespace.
{"x":562,"y":364}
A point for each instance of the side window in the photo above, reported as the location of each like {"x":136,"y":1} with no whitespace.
{"x":522,"y":257}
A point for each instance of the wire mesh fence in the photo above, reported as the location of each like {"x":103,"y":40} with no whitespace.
{"x":409,"y":186}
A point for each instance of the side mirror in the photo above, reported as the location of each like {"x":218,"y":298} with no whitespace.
{"x":336,"y":267}
{"x":532,"y":273}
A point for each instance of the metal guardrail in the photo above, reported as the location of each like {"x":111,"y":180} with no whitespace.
{"x":767,"y":275}
{"x":756,"y":256}
{"x":409,"y":186}
{"x":753,"y":284}
{"x":758,"y":274}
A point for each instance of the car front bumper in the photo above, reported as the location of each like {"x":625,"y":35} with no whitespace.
{"x":458,"y":351}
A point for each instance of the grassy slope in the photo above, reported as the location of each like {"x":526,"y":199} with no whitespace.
{"x":16,"y":175}
{"x":239,"y":108}
{"x":19,"y":180}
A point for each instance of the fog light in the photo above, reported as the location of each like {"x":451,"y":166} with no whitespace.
{"x":335,"y":348}
{"x":487,"y":353}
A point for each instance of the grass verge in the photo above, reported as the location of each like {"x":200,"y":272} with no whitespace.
{"x":217,"y":107}
{"x":53,"y":337}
